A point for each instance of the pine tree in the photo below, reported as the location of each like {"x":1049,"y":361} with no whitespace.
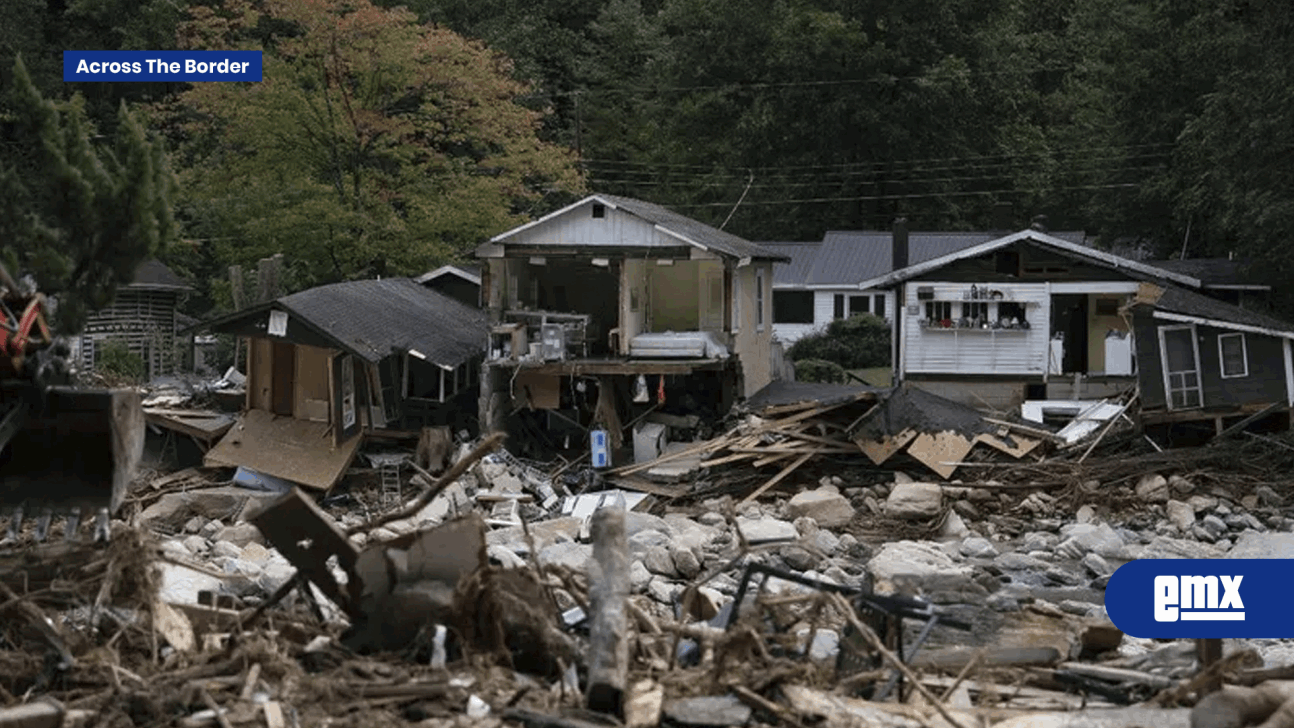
{"x":78,"y":211}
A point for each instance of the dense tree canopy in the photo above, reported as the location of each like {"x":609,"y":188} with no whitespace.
{"x":381,"y":138}
{"x":374,"y":145}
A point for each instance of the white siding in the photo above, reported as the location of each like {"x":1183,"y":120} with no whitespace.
{"x":579,"y":227}
{"x":976,"y":351}
{"x":824,"y":311}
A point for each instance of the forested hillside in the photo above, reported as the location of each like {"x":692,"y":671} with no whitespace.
{"x":388,"y":141}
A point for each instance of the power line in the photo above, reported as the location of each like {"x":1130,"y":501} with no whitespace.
{"x":869,"y":198}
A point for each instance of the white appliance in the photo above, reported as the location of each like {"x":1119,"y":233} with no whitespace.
{"x":1118,"y":354}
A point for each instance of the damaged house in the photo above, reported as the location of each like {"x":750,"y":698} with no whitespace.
{"x":460,"y":282}
{"x":613,"y":300}
{"x":1031,"y":316}
{"x":329,"y":364}
{"x":144,"y":316}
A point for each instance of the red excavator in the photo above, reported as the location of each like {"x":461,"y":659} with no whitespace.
{"x":64,"y":450}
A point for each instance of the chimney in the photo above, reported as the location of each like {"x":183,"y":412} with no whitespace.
{"x":1003,"y":217}
{"x":1039,"y":223}
{"x":899,"y":245}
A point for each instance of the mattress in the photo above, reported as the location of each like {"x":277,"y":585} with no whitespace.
{"x":677,"y":345}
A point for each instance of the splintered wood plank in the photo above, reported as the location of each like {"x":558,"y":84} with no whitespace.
{"x":941,"y":451}
{"x":779,"y":477}
{"x":1023,"y":446}
{"x":881,"y":450}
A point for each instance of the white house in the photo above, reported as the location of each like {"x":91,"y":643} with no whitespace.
{"x":821,"y":283}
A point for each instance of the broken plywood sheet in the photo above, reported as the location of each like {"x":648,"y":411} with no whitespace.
{"x":295,"y":450}
{"x":539,"y":391}
{"x":1016,"y":446}
{"x":201,"y":424}
{"x":883,"y":449}
{"x":941,"y":451}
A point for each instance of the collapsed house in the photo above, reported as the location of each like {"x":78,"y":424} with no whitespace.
{"x":329,"y":364}
{"x":612,"y":300}
{"x":1031,"y":316}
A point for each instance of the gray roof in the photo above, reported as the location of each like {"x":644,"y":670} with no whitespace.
{"x":1211,"y":271}
{"x":795,"y":272}
{"x":153,"y":274}
{"x":694,"y":230}
{"x":1179,"y":300}
{"x":373,"y":318}
{"x":456,"y":269}
{"x":846,"y":257}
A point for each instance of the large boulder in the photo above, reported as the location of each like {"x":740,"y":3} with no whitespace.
{"x":824,"y":505}
{"x":1080,"y":539}
{"x":914,"y":501}
{"x":916,"y":564}
{"x":1263,"y":546}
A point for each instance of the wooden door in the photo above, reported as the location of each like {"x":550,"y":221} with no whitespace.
{"x":283,"y":365}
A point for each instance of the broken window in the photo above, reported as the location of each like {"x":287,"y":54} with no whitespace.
{"x":1181,"y":367}
{"x":1234,"y":355}
{"x":792,"y":307}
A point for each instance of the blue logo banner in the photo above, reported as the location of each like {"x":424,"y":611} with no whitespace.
{"x":136,"y":66}
{"x":1200,"y":598}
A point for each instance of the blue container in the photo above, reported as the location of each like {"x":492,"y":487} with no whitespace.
{"x":601,"y":455}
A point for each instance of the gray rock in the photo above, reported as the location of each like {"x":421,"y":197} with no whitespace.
{"x":172,"y":510}
{"x":872,"y":505}
{"x":1073,"y":606}
{"x":1236,"y":521}
{"x":1038,"y":541}
{"x":765,"y":530}
{"x":195,"y":544}
{"x":382,"y":535}
{"x":636,"y":522}
{"x":1252,"y":521}
{"x":978,"y":548}
{"x":954,"y":526}
{"x":1162,"y":547}
{"x":1085,"y":514}
{"x":1012,"y":561}
{"x":176,"y":549}
{"x":1002,"y":602}
{"x":195,"y":524}
{"x":1153,"y":488}
{"x":1203,"y":534}
{"x":1180,"y":485}
{"x":715,"y":711}
{"x":210,"y":529}
{"x":1268,"y":496}
{"x":662,"y":590}
{"x":826,"y":644}
{"x":241,"y":534}
{"x":824,"y":505}
{"x":658,"y":561}
{"x":712,"y":519}
{"x":643,"y":541}
{"x":1216,"y":527}
{"x":1063,"y":576}
{"x":917,"y":563}
{"x":1084,"y":538}
{"x":1097,"y":565}
{"x":1222,"y":509}
{"x":1263,"y":546}
{"x":227,"y":549}
{"x":687,"y":533}
{"x":1180,"y":514}
{"x":825,"y":541}
{"x":798,"y":559}
{"x":914,"y":501}
{"x":686,"y":563}
{"x":573,"y":556}
{"x":1202,"y":503}
{"x":639,"y":576}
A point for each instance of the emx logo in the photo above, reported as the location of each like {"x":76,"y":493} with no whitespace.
{"x":1196,"y":598}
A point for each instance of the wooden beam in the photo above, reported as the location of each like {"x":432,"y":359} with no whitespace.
{"x":779,"y":477}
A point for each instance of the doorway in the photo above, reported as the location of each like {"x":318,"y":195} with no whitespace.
{"x":1069,"y":321}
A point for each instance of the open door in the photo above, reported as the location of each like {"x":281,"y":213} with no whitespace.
{"x":283,"y":365}
{"x":345,"y":409}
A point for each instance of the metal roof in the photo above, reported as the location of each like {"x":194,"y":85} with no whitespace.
{"x":796,"y":272}
{"x":689,"y":231}
{"x":375,"y":318}
{"x":845,"y":257}
{"x":1035,"y":237}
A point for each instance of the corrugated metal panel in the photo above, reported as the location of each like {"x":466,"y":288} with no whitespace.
{"x":976,"y":351}
{"x":796,"y":272}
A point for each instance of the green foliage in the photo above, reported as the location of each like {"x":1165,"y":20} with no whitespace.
{"x":857,"y":342}
{"x":77,"y":210}
{"x":375,"y":146}
{"x":818,"y":370}
{"x":115,"y":360}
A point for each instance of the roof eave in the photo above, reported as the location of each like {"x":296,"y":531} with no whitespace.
{"x":501,"y":237}
{"x":1221,"y":324}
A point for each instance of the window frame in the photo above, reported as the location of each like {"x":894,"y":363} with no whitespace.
{"x":1244,"y":356}
{"x":760,"y":299}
